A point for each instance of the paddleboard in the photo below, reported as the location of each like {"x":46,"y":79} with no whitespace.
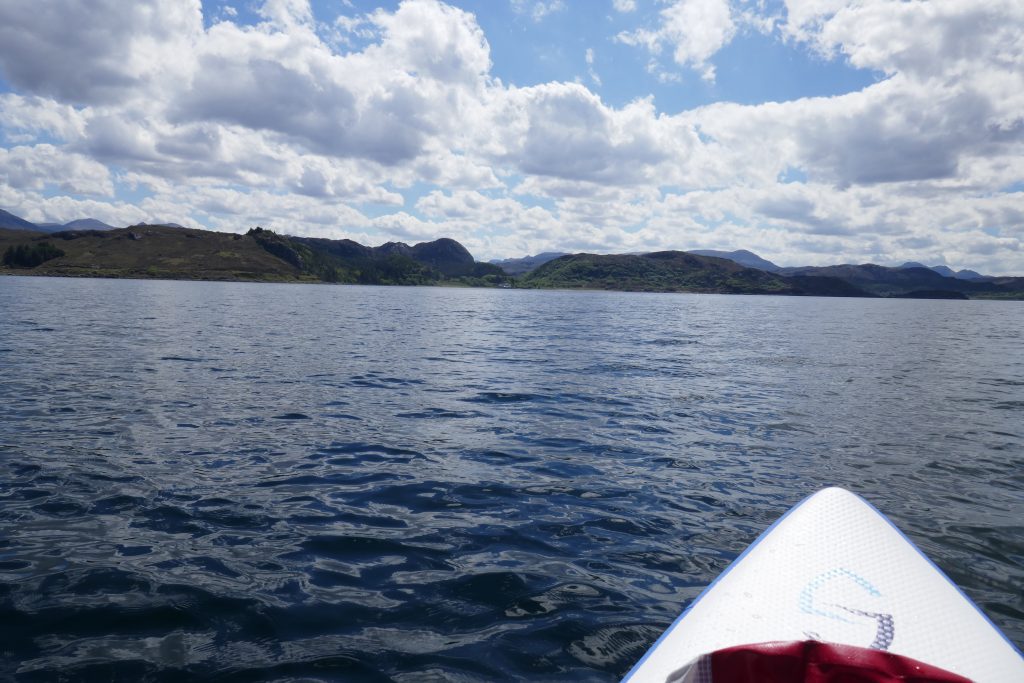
{"x":835,"y":570}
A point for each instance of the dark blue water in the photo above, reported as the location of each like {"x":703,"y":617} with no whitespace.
{"x":243,"y":482}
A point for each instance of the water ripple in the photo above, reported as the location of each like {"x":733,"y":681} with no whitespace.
{"x":433,"y":485}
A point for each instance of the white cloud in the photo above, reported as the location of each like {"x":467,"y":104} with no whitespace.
{"x":922,"y":39}
{"x":230,"y":126}
{"x":63,"y":209}
{"x":624,"y":5}
{"x":327,"y":178}
{"x":538,"y":9}
{"x":97,"y":52}
{"x":542,"y":9}
{"x":589,"y":56}
{"x":381,"y":104}
{"x":287,"y":13}
{"x":33,"y":115}
{"x":563,"y":130}
{"x":939,"y":116}
{"x":41,"y":166}
{"x":693,"y":29}
{"x":487,"y":222}
{"x":236,"y":210}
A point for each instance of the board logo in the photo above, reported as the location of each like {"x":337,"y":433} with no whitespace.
{"x":829,"y":595}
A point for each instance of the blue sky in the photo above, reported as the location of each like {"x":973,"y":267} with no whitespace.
{"x":809,"y":131}
{"x":753,"y":68}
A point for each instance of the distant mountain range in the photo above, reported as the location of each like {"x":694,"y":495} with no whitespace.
{"x":742,"y":257}
{"x":11,"y":222}
{"x":80,"y":224}
{"x":675,"y":271}
{"x":946,"y":271}
{"x":885,"y":281}
{"x":670,"y":271}
{"x":523,"y":265}
{"x":162,"y":251}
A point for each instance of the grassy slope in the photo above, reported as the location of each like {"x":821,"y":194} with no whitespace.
{"x":659,"y":272}
{"x":1010,"y":288}
{"x":672,"y":271}
{"x":156,"y":252}
{"x":182,"y":253}
{"x":900,"y":281}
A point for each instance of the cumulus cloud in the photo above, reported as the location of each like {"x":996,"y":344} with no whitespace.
{"x":287,"y":13}
{"x":563,"y":130}
{"x":367,"y":105}
{"x":283,"y":123}
{"x":919,"y":38}
{"x":488,"y":221}
{"x":327,"y":178}
{"x":694,"y":30}
{"x":939,"y":125}
{"x":97,"y":52}
{"x":32,"y":115}
{"x":40,"y":166}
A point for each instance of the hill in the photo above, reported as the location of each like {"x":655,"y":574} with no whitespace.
{"x":442,"y":260}
{"x":946,"y":271}
{"x":447,"y":257}
{"x":675,"y":271}
{"x":901,"y":281}
{"x":160,"y":251}
{"x":154,"y":252}
{"x":1008,"y":288}
{"x":11,"y":222}
{"x":80,"y":224}
{"x":523,"y":265}
{"x":8,"y":221}
{"x":740,"y":256}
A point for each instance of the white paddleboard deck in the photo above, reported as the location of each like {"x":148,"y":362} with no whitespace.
{"x":836,"y":570}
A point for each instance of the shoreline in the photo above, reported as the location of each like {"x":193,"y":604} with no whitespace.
{"x":7,"y":272}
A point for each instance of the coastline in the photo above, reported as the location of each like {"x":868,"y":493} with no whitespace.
{"x":9,"y":272}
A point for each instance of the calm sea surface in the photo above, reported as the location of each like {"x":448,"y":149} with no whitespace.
{"x":242,"y":482}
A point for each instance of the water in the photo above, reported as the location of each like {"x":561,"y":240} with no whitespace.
{"x":285,"y":482}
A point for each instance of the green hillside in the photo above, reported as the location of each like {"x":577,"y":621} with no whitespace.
{"x":157,"y":251}
{"x":675,"y":271}
{"x":915,"y":282}
{"x":153,"y":251}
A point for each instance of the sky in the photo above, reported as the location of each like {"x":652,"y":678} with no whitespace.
{"x":808,"y":131}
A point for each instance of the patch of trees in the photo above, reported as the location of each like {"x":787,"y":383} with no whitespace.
{"x":30,"y":256}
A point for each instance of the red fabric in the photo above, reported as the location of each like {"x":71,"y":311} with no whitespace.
{"x":810,"y":661}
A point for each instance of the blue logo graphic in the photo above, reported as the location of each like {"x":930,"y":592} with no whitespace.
{"x":885,"y":629}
